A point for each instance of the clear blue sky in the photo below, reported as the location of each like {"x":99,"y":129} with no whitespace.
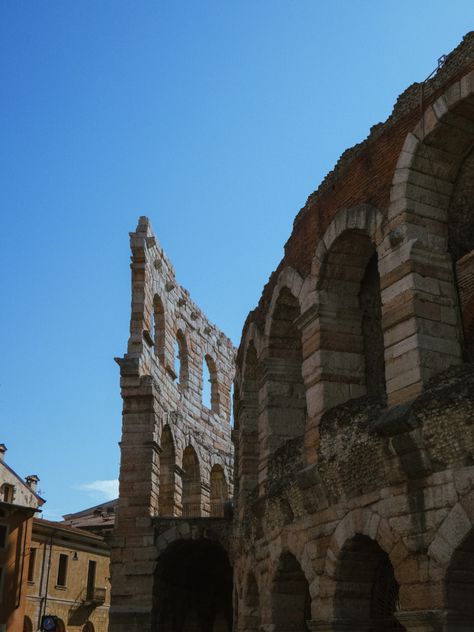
{"x":216,"y":119}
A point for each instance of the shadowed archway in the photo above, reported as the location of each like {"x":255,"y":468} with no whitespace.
{"x":193,"y":588}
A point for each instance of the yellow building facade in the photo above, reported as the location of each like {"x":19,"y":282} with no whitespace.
{"x":68,"y":577}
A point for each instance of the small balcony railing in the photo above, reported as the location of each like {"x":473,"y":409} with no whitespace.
{"x":95,"y":596}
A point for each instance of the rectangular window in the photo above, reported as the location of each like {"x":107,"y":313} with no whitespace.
{"x":31,"y":565}
{"x":91,"y":579}
{"x":8,"y":493}
{"x":62,"y":570}
{"x":3,"y":535}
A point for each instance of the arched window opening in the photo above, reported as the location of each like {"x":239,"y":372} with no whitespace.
{"x":350,"y":320}
{"x":191,"y":494}
{"x":219,"y":491}
{"x":290,"y":598}
{"x":181,"y":358}
{"x":461,"y":246}
{"x":283,"y":391}
{"x":210,"y":386}
{"x":372,"y":335}
{"x":166,"y":497}
{"x":231,"y":405}
{"x":27,"y":624}
{"x":159,"y":332}
{"x":248,"y":440}
{"x":366,"y":590}
{"x":251,"y":607}
{"x":193,"y":588}
{"x":60,"y":627}
{"x":460,"y":580}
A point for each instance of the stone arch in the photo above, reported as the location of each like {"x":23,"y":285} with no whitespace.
{"x":359,"y":562}
{"x":191,"y":487}
{"x":290,"y":597}
{"x":60,"y":627}
{"x":288,"y":278}
{"x":181,"y":358}
{"x":159,"y":328}
{"x":459,"y":583}
{"x":246,"y":420}
{"x":167,"y":488}
{"x":219,"y":491}
{"x":282,"y":400}
{"x":193,"y":587}
{"x":214,"y":397}
{"x":454,"y":529}
{"x":27,"y":624}
{"x":363,"y":218}
{"x":367,"y":591}
{"x":432,"y":207}
{"x":342,"y":328}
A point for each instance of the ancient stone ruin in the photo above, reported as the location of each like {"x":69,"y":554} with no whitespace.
{"x":354,"y":407}
{"x":174,"y":516}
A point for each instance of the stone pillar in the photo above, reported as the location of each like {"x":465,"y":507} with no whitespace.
{"x":282,"y":407}
{"x":133,"y":551}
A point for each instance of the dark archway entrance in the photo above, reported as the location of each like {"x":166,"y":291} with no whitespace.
{"x":460,"y":581}
{"x":291,"y":601}
{"x":193,"y":588}
{"x":367,"y":591}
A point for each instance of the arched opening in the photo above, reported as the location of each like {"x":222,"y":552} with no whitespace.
{"x":27,"y":624}
{"x":460,"y":580}
{"x":366,"y":590}
{"x":191,"y":494}
{"x":89,"y":627}
{"x":166,"y":498}
{"x":181,"y":358}
{"x":193,"y":588}
{"x":352,"y":345}
{"x":60,"y":627}
{"x":219,"y":491}
{"x":283,"y":394}
{"x":210,"y":385}
{"x":461,"y":246}
{"x":247,"y":450}
{"x":159,"y":333}
{"x":290,"y":598}
{"x":251,"y":607}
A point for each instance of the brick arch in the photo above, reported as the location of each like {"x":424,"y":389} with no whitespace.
{"x":192,"y":476}
{"x":380,"y":550}
{"x":289,"y":594}
{"x":282,"y":397}
{"x":343,"y":337}
{"x":288,"y":278}
{"x":368,"y":523}
{"x":363,"y":522}
{"x":167,"y":478}
{"x":181,"y":530}
{"x":252,"y":337}
{"x":246,"y":410}
{"x":363,"y":218}
{"x":421,"y":212}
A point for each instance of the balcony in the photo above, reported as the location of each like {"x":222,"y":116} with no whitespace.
{"x":95,"y":596}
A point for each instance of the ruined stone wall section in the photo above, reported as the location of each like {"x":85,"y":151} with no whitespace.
{"x":170,"y":440}
{"x":190,"y":421}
